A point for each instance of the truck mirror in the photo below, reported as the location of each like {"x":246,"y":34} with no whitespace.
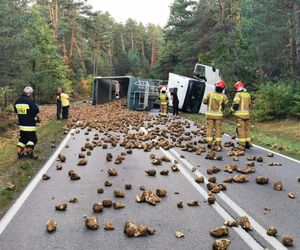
{"x":203,"y":78}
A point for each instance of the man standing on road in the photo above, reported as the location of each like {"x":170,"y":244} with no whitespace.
{"x":215,"y":102}
{"x":58,"y":103}
{"x":175,"y":102}
{"x":65,"y":103}
{"x":27,"y":111}
{"x":163,"y":97}
{"x":241,"y":106}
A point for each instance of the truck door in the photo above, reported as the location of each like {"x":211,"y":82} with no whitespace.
{"x":194,"y":96}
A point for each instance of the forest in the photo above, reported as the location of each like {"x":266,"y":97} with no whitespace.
{"x":51,"y":43}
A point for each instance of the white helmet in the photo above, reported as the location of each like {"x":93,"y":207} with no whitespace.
{"x":163,"y":89}
{"x":28,"y":90}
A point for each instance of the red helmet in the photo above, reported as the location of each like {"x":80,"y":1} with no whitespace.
{"x":220,"y":84}
{"x":239,"y":85}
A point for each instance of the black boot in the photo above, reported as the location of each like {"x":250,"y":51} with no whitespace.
{"x":248,"y":145}
{"x":30,"y":154}
{"x":21,"y":156}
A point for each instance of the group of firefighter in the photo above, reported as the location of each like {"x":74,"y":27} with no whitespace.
{"x":27,"y":111}
{"x":216,"y":102}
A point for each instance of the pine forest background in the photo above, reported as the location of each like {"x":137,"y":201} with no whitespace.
{"x":51,"y":43}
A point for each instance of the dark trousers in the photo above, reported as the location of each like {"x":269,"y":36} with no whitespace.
{"x":175,"y":108}
{"x":58,"y":110}
{"x":65,"y":112}
{"x":27,"y":138}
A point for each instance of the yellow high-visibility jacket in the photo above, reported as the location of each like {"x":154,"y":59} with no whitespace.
{"x":163,"y":97}
{"x":243,"y":99}
{"x":64,"y":99}
{"x":216,"y":102}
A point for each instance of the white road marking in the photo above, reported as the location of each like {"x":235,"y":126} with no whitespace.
{"x":20,"y":201}
{"x":256,"y":226}
{"x":268,"y":150}
{"x":248,"y":239}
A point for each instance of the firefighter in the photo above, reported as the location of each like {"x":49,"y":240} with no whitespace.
{"x":117,"y":89}
{"x":241,"y":107}
{"x":215,"y":102}
{"x":163,"y":97}
{"x":65,"y":103}
{"x":27,"y":111}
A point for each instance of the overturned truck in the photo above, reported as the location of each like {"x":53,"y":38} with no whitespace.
{"x":139,"y":94}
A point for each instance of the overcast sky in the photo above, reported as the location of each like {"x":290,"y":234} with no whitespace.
{"x":145,"y":11}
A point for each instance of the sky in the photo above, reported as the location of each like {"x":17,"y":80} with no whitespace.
{"x":145,"y":11}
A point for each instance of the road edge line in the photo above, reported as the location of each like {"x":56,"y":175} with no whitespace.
{"x":235,"y":207}
{"x":30,"y":187}
{"x":246,"y":237}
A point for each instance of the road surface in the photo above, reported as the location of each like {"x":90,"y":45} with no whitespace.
{"x":23,"y":227}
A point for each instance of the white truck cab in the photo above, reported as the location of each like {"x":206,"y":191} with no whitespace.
{"x":191,"y":91}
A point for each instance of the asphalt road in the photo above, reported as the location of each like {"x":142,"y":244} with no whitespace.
{"x":26,"y":227}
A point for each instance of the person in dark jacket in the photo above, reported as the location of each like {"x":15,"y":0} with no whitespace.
{"x":175,"y":102}
{"x":58,"y":103}
{"x":27,"y":111}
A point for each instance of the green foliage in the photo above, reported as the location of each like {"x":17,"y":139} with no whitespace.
{"x":275,"y":101}
{"x":45,"y":67}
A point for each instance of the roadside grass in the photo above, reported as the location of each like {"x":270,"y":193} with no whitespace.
{"x":281,"y":136}
{"x":20,"y":172}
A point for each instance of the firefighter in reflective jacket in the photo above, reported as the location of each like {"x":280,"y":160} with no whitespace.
{"x":215,"y":102}
{"x":27,"y":111}
{"x":163,"y":97}
{"x":241,"y":107}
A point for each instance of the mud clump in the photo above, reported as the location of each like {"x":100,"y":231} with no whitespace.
{"x":221,"y":244}
{"x":82,"y":162}
{"x":46,"y":177}
{"x":199,"y":179}
{"x":148,"y":196}
{"x":120,"y":193}
{"x":262,"y":180}
{"x":161,"y":192}
{"x":91,"y":223}
{"x":98,"y":208}
{"x":278,"y":186}
{"x":151,"y":172}
{"x":219,"y":232}
{"x":61,"y":207}
{"x":51,"y":226}
{"x":62,"y":157}
{"x":193,"y":203}
{"x":287,"y":241}
{"x":245,"y":223}
{"x":112,"y":172}
{"x":118,"y":205}
{"x":108,"y":226}
{"x":133,"y":230}
{"x":272,"y":231}
{"x":107,"y":203}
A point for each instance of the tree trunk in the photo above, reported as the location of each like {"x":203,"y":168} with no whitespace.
{"x":72,"y":39}
{"x":143,"y":48}
{"x":122,"y":42}
{"x":152,"y":51}
{"x":56,"y":18}
{"x":222,"y":9}
{"x":132,"y":42}
{"x":292,"y":41}
{"x":64,"y":49}
{"x":80,"y":55}
{"x":110,"y":53}
{"x":297,"y":36}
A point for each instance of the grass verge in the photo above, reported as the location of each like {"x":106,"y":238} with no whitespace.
{"x":281,"y":136}
{"x":20,"y":172}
